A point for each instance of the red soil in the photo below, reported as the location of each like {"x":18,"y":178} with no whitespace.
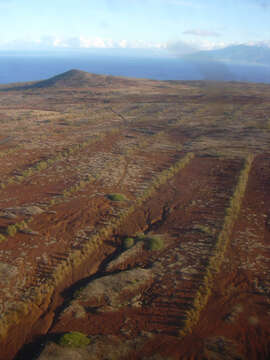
{"x":132,"y":132}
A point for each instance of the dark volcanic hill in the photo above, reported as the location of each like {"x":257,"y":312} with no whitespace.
{"x":74,"y":79}
{"x":78,"y":79}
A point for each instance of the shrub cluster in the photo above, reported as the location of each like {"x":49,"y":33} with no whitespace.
{"x":11,"y":230}
{"x":128,"y":242}
{"x":2,"y":238}
{"x":74,"y":339}
{"x":116,"y":197}
{"x":154,"y":243}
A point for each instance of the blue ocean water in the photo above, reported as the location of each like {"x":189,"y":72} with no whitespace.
{"x":21,"y":68}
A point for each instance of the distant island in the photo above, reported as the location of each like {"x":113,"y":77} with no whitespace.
{"x":237,"y":54}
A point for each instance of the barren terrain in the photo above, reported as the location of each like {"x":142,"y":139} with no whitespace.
{"x":136,"y":213}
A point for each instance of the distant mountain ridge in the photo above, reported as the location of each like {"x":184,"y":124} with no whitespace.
{"x":240,"y":54}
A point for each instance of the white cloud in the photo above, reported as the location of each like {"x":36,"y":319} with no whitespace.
{"x":201,"y":32}
{"x":123,"y":44}
{"x":181,"y":47}
{"x":81,"y":42}
{"x":259,"y":43}
{"x":211,"y":45}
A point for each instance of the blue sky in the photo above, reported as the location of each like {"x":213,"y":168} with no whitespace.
{"x":179,"y":26}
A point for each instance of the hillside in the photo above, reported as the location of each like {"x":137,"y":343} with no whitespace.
{"x":240,"y":54}
{"x":73,"y":79}
{"x":134,"y":219}
{"x":78,"y":78}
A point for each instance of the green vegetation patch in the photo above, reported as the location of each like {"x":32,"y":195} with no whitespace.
{"x":2,"y":238}
{"x":128,"y":242}
{"x":74,"y":339}
{"x":140,"y":237}
{"x":152,"y":243}
{"x":11,"y":230}
{"x":116,"y":197}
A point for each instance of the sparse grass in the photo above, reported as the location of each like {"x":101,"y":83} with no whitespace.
{"x":44,"y":164}
{"x":204,"y":229}
{"x":74,"y":339}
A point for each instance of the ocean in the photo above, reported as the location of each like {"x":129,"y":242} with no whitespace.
{"x":20,"y":68}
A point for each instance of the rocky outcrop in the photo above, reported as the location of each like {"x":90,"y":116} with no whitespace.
{"x":26,"y":210}
{"x":125,"y":257}
{"x":111,"y":292}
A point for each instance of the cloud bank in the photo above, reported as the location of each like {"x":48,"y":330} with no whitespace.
{"x":176,"y":48}
{"x":81,"y":42}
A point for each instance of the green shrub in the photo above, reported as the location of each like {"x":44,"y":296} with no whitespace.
{"x":2,"y":238}
{"x":41,"y":165}
{"x":20,"y":226}
{"x":141,"y":237}
{"x":74,"y":339}
{"x":19,"y":178}
{"x":117,"y":197}
{"x":11,"y":230}
{"x":154,"y":243}
{"x":128,"y":242}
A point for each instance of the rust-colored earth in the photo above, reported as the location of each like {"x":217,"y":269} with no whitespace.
{"x":181,"y":169}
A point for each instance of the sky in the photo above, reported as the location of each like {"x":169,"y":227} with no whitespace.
{"x":177,"y":26}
